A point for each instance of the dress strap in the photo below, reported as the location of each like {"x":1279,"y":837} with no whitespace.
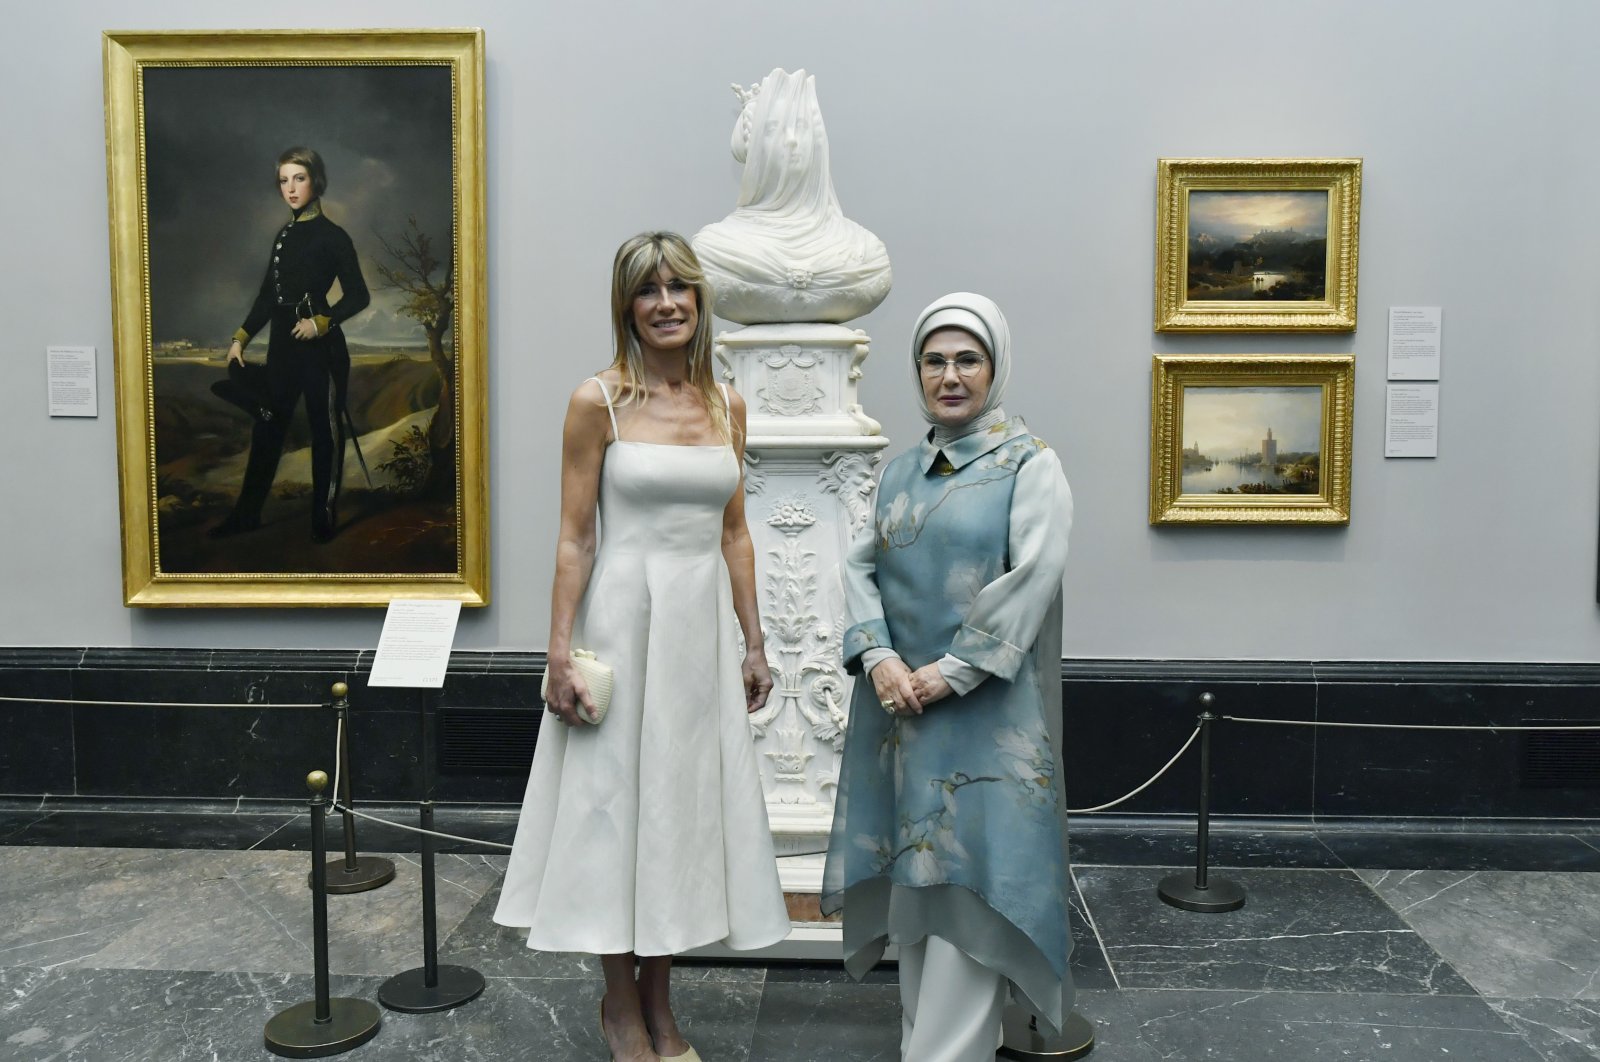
{"x":615,"y":434}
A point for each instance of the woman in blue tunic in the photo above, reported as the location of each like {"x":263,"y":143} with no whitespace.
{"x":949,"y":830}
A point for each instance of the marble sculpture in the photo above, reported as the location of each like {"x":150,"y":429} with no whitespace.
{"x":787,"y":252}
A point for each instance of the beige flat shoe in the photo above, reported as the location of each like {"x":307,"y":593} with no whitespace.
{"x":690,"y":1055}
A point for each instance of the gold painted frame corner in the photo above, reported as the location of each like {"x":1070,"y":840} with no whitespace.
{"x":127,"y":54}
{"x":1171,"y":373}
{"x":1176,"y":178}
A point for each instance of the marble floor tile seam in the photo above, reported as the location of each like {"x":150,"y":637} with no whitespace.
{"x":440,"y":873}
{"x":1590,"y":1026}
{"x":1213,"y":867}
{"x":1516,"y":935}
{"x":1579,"y":829}
{"x":1329,"y":992}
{"x":848,"y":985}
{"x":1094,"y":927}
{"x":1421,"y":825}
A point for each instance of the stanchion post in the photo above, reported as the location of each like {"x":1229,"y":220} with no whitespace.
{"x":1022,"y":1038}
{"x":353,"y":873}
{"x":1202,"y":894}
{"x":430,"y":987}
{"x":320,"y":1026}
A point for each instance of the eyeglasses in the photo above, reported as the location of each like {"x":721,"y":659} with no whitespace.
{"x":967,"y":365}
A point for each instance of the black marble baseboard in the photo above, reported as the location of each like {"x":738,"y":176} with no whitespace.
{"x":1125,"y":718}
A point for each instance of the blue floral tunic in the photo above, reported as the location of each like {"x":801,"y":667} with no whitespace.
{"x":951,"y":823}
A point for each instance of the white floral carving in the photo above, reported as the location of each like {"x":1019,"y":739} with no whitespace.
{"x":803,"y":649}
{"x":791,"y":515}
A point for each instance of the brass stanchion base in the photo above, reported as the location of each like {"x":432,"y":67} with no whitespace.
{"x":294,"y":1033}
{"x":409,"y":993}
{"x":370,"y":872}
{"x":1025,"y":1040}
{"x":1218,"y":895}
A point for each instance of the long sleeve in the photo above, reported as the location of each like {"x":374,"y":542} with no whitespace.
{"x":960,"y":675}
{"x":352,"y":284}
{"x":260,"y":310}
{"x":862,"y":602}
{"x":1005,"y":617}
{"x":871,"y":658}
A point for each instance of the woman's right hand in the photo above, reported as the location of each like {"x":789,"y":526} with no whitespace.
{"x":566,"y":691}
{"x":236,"y":352}
{"x":892,"y":679}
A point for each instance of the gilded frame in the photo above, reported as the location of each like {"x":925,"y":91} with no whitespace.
{"x":454,"y":352}
{"x":1329,"y":503}
{"x":1178,"y":310}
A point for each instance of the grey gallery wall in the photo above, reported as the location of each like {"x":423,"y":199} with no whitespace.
{"x":1005,"y":148}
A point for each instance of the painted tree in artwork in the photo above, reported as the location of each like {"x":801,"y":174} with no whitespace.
{"x":428,"y":283}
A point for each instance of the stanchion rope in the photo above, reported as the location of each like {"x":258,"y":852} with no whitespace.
{"x":1084,"y":811}
{"x":1156,"y":777}
{"x":339,"y":734}
{"x":417,"y":829}
{"x":154,"y":704}
{"x":336,"y":806}
{"x":1398,"y":726}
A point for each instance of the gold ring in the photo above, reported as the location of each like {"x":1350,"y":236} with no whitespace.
{"x":888,"y":706}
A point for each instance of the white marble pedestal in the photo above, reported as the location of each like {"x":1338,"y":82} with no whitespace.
{"x":808,"y":489}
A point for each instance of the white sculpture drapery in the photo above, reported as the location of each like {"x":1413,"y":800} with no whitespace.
{"x":787,"y":252}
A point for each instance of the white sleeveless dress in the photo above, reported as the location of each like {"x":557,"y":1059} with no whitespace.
{"x":648,"y":833}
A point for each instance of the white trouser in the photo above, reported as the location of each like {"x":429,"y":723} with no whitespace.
{"x":951,"y":1004}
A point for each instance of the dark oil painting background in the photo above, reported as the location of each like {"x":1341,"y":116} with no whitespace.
{"x":212,"y":138}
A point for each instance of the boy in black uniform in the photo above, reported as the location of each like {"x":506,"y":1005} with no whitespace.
{"x":306,"y":351}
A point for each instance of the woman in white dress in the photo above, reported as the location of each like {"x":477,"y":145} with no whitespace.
{"x":647,"y":835}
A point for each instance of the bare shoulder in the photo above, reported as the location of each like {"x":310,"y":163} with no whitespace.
{"x":586,"y":409}
{"x":735,"y":402}
{"x":590,"y":390}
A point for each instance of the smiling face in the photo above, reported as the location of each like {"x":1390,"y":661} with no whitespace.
{"x":665,"y":312}
{"x":294,"y":183}
{"x":953,"y":399}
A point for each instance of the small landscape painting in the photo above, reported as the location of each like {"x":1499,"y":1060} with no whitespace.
{"x":1258,"y":245}
{"x":1252,"y":440}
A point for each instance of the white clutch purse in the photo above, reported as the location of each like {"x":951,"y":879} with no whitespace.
{"x":597,"y":676}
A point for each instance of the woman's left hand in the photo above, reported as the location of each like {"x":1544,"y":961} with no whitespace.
{"x":757,"y":680}
{"x":929,"y":683}
{"x":305,"y":328}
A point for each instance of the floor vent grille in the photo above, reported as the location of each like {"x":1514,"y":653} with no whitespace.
{"x":487,"y":740}
{"x":1561,"y":759}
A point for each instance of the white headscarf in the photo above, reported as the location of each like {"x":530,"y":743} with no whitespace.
{"x":981,"y":317}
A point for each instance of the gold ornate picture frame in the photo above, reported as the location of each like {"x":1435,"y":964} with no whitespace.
{"x":345,"y":462}
{"x":1257,"y":245}
{"x":1251,"y":439}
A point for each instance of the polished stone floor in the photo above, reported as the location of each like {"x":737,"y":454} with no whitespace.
{"x":142,"y":933}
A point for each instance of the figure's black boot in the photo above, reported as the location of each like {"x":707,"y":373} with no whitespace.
{"x":324,"y":523}
{"x":327,"y":477}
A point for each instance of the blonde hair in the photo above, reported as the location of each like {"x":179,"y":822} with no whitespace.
{"x":638,"y":261}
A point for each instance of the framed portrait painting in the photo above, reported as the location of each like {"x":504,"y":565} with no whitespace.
{"x":1257,"y":245}
{"x":1251,"y":439}
{"x":299,"y":304}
